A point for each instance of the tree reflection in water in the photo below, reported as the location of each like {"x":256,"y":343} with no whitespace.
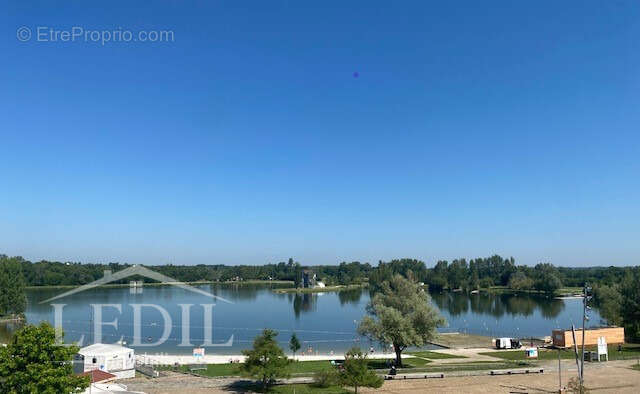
{"x":497,"y":305}
{"x":350,"y":296}
{"x":305,"y":302}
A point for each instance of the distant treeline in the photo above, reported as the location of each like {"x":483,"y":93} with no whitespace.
{"x":458,"y":274}
{"x":497,"y":271}
{"x":50,"y":273}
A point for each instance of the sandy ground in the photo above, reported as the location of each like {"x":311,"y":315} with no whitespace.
{"x":611,"y":377}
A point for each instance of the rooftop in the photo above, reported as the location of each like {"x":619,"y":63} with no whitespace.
{"x":102,"y":348}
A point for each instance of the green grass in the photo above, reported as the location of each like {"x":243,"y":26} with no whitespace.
{"x":434,"y":355}
{"x":213,"y":370}
{"x":307,"y":388}
{"x":469,"y":366}
{"x":629,"y":351}
{"x":298,"y":389}
{"x":636,"y":367}
{"x":515,"y":355}
{"x":406,"y":362}
{"x":309,"y":367}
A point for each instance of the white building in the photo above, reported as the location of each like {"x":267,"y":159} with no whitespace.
{"x":109,"y":388}
{"x":115,"y":359}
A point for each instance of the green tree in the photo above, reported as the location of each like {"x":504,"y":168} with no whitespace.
{"x":326,"y":378}
{"x":520,"y":281}
{"x":401,"y":314}
{"x":297,"y":275}
{"x":609,"y":302}
{"x":13,"y":300}
{"x":547,"y":278}
{"x":630,"y":307}
{"x":294,"y":344}
{"x":33,"y":363}
{"x":265,"y":361}
{"x":355,"y":372}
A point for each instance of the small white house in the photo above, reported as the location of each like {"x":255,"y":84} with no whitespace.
{"x":115,"y":359}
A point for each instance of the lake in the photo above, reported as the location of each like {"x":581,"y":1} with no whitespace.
{"x":324,"y":322}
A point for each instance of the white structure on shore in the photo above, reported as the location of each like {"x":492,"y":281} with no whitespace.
{"x":115,"y":359}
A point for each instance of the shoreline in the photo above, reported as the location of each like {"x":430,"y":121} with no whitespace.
{"x":150,"y":284}
{"x":326,"y":289}
{"x":174,"y":359}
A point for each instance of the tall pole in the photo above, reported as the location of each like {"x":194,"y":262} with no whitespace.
{"x":575,"y":348}
{"x":584,"y":319}
{"x":559,"y":373}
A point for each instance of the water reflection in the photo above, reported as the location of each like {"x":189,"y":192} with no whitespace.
{"x":326,"y":320}
{"x":305,"y":302}
{"x":497,"y":305}
{"x":350,"y":296}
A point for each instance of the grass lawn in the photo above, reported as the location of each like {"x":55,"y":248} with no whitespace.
{"x":471,"y":366}
{"x":636,"y":367}
{"x":213,"y":370}
{"x":307,"y":388}
{"x":434,"y":355}
{"x":629,"y":351}
{"x":308,"y":368}
{"x":406,"y":362}
{"x":299,"y":389}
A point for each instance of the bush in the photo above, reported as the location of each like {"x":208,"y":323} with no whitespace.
{"x":486,"y":282}
{"x":325,"y":378}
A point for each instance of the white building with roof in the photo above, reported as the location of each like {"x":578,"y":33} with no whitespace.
{"x":115,"y":359}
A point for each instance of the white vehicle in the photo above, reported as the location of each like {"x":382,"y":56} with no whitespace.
{"x":507,"y":343}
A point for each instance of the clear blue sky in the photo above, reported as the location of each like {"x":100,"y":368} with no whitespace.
{"x":472,"y":128}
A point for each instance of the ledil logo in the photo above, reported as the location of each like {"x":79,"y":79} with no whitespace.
{"x":140,"y":271}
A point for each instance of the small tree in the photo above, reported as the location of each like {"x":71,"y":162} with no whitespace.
{"x":575,"y":387}
{"x":266,"y":361}
{"x":294,"y":344}
{"x":325,"y":378}
{"x":33,"y":363}
{"x":401,"y":314}
{"x":355,"y":372}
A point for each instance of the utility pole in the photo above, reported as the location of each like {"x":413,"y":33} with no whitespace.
{"x":584,"y":319}
{"x":585,"y":308}
{"x":575,"y":348}
{"x":559,"y":374}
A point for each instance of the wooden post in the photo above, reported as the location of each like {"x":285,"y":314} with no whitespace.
{"x":559,"y":373}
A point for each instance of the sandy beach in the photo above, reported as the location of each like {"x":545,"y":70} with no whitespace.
{"x":168,"y":359}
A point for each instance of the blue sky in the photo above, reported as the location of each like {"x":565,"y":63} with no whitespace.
{"x":471,"y":129}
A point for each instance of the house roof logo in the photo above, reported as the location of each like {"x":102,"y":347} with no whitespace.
{"x":131,"y":271}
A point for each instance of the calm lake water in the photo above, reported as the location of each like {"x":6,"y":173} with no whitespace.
{"x":324,"y":322}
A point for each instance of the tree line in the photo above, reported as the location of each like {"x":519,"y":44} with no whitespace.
{"x":54,"y":273}
{"x":459,"y":274}
{"x":482,"y":273}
